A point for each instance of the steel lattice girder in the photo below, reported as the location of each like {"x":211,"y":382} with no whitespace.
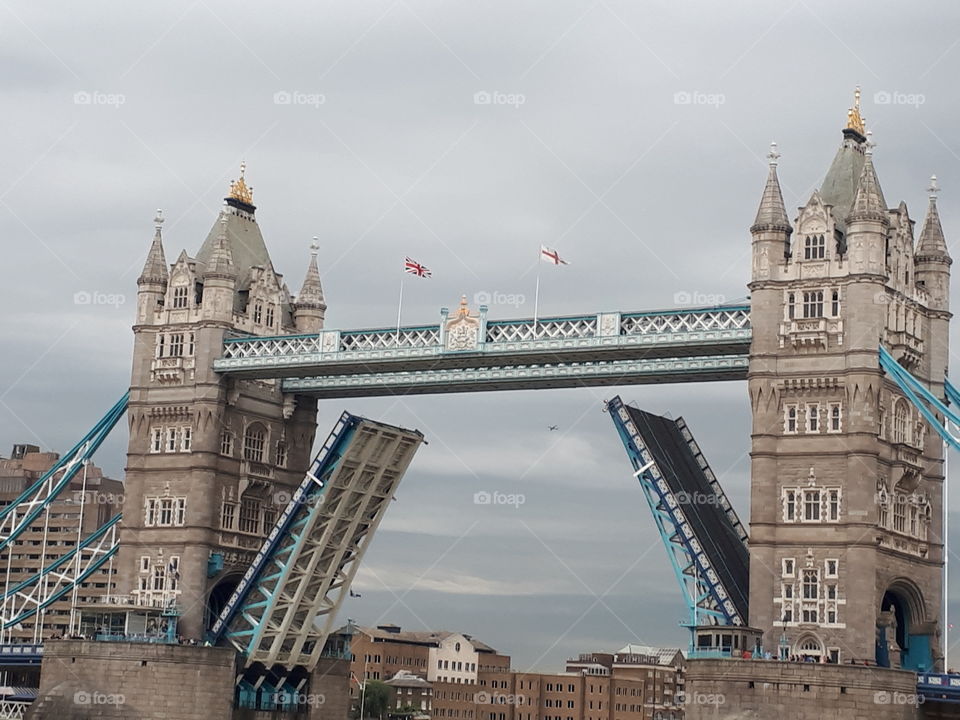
{"x":704,"y":592}
{"x":22,"y":512}
{"x":284,"y":610}
{"x":57,"y":579}
{"x":584,"y":340}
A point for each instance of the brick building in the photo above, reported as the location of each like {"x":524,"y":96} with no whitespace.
{"x":90,"y":500}
{"x":470,"y":680}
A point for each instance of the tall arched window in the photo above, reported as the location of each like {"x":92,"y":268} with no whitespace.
{"x":254,"y":441}
{"x":901,"y":428}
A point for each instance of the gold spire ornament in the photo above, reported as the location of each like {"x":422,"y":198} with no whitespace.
{"x":855,"y":120}
{"x":239,"y":190}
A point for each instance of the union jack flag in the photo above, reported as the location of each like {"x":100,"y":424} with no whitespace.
{"x":552,"y":256}
{"x":415,"y":268}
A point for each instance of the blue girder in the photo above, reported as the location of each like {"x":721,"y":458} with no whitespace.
{"x":284,"y":536}
{"x":923,"y":399}
{"x":32,"y":502}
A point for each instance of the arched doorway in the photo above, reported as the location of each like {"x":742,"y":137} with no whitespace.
{"x":219,"y":595}
{"x":902,"y":607}
{"x":808,"y":647}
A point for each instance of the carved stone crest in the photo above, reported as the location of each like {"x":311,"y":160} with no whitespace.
{"x":463,"y":329}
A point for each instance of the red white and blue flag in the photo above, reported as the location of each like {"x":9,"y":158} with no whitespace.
{"x":551,"y":256}
{"x":414,"y":268}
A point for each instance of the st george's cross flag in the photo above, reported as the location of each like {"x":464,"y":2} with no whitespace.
{"x":551,"y":256}
{"x":414,"y":268}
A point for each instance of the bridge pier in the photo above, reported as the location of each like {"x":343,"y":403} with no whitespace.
{"x":83,"y":679}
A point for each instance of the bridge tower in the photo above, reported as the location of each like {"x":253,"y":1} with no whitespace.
{"x":210,"y":459}
{"x":846,"y":498}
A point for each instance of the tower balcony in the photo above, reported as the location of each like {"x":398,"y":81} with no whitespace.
{"x":906,"y":347}
{"x":171,"y":370}
{"x":811,"y":333}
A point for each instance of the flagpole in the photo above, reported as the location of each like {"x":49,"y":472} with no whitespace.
{"x":536,"y":294}
{"x":399,"y":310}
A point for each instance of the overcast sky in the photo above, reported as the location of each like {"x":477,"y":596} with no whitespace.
{"x":630,"y":136}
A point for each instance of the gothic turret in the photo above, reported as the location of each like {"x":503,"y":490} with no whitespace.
{"x":310,"y":307}
{"x":152,"y":283}
{"x":868,"y":222}
{"x":771,"y":228}
{"x":772,"y":215}
{"x":219,"y":278}
{"x":932,"y":257}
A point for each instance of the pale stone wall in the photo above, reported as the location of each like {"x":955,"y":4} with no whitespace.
{"x":766,"y":690}
{"x":84,"y":679}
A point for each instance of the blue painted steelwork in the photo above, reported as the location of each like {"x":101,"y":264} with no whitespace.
{"x":277,"y":546}
{"x":64,"y":561}
{"x":503,"y":344}
{"x":22,"y":512}
{"x":922,"y":398}
{"x":707,"y":600}
{"x":937,"y":687}
{"x":20,"y":654}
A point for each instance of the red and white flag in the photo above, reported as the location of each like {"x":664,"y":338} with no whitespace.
{"x":414,"y":268}
{"x":551,"y":256}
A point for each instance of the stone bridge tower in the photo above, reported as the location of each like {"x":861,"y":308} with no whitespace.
{"x":210,"y":460}
{"x":846,"y":506}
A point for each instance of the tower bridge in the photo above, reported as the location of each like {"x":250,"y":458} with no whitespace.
{"x":234,"y":531}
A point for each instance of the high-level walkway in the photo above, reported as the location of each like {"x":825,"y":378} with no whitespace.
{"x":466,"y":352}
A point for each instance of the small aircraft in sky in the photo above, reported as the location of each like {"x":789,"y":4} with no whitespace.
{"x":551,"y":428}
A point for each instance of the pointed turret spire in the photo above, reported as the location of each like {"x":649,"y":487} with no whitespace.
{"x":155,"y":268}
{"x":221,"y":259}
{"x":932,"y":244}
{"x":311,"y":294}
{"x":772,"y":215}
{"x":868,"y":202}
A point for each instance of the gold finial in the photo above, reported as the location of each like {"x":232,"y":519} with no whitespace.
{"x":464,"y":310}
{"x":855,"y":120}
{"x":238,"y":188}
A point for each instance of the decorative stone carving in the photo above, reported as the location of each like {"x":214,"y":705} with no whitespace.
{"x":463,"y":329}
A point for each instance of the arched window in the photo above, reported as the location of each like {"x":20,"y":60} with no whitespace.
{"x":835,"y":303}
{"x":813,"y":304}
{"x":180,"y":296}
{"x":254,"y":440}
{"x":901,"y":427}
{"x":814,"y":247}
{"x":258,"y":312}
{"x":791,"y":306}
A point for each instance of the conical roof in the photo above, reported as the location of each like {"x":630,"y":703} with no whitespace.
{"x":311,"y":294}
{"x":772,"y":214}
{"x":932,"y":243}
{"x":868,"y":202}
{"x":155,"y":269}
